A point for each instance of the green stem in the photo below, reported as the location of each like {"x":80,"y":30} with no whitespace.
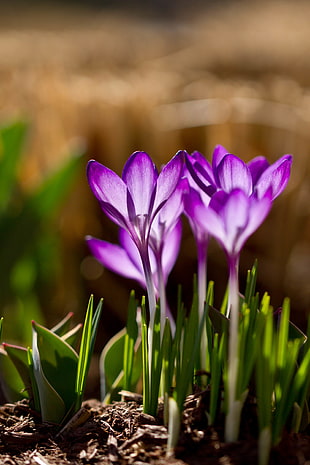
{"x":234,"y":404}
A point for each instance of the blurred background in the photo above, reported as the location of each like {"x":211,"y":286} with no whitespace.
{"x":101,"y":79}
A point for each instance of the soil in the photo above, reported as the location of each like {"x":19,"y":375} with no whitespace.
{"x":121,"y":433}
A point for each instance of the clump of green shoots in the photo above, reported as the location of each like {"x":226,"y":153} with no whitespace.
{"x":52,"y":373}
{"x":235,"y":349}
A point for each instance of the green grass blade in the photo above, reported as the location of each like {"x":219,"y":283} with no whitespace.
{"x":145,"y":360}
{"x":129,"y":343}
{"x":86,"y":349}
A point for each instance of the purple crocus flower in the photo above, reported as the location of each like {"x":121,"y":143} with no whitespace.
{"x":125,"y":260}
{"x":193,"y":195}
{"x":161,"y":240}
{"x":241,"y":197}
{"x":229,"y":172}
{"x":133,"y":201}
{"x":231,"y":218}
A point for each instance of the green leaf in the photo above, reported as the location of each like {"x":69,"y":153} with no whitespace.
{"x":145,"y":360}
{"x":52,"y":406}
{"x":86,"y":350}
{"x":12,"y":385}
{"x":219,"y":320}
{"x":111,"y":362}
{"x":72,"y":337}
{"x":18,"y":356}
{"x":129,"y":343}
{"x":64,"y":325}
{"x":251,"y":283}
{"x":56,"y":362}
{"x":156,"y":364}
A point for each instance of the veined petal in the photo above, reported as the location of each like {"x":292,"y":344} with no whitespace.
{"x":235,"y":213}
{"x":115,"y":258}
{"x":171,"y":249}
{"x":219,"y":153}
{"x":140,"y":176}
{"x":210,"y":221}
{"x":258,"y":210}
{"x":130,"y":247}
{"x":232,"y":211}
{"x":172,"y":209}
{"x":241,"y":215}
{"x":168,"y":180}
{"x":276,"y":177}
{"x":200,"y":172}
{"x":233,"y":173}
{"x":257,"y":166}
{"x":108,"y":187}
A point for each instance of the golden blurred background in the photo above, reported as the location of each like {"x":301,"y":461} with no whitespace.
{"x":165,"y":77}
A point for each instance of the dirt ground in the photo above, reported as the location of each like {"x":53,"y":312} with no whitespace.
{"x":121,"y":434}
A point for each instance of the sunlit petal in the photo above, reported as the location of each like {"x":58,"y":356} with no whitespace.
{"x":140,"y":176}
{"x":107,"y":186}
{"x":233,"y":173}
{"x":276,"y":177}
{"x":115,"y":258}
{"x":257,"y":166}
{"x":168,"y":180}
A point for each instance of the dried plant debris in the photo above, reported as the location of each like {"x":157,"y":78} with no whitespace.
{"x":121,"y":434}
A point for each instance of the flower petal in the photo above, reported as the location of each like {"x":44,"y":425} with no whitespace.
{"x":219,"y":153}
{"x":115,"y":258}
{"x":257,"y":166}
{"x":109,"y":189}
{"x":258,"y":210}
{"x":275,"y":176}
{"x":208,"y":220}
{"x":233,"y":173}
{"x":201,"y":172}
{"x":140,"y":175}
{"x":131,"y":249}
{"x":171,"y":249}
{"x":168,"y":180}
{"x":172,"y":209}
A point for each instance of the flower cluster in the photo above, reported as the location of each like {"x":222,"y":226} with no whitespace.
{"x":228,"y":199}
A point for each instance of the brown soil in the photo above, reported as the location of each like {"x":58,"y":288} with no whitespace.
{"x":122,"y":434}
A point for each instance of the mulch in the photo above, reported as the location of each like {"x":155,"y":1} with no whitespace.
{"x":121,"y":433}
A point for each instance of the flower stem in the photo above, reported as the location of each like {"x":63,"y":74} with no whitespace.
{"x":202,"y":248}
{"x":164,"y":309}
{"x":234,"y":404}
{"x":148,"y":393}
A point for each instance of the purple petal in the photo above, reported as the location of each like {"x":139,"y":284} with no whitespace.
{"x":233,"y":209}
{"x":233,"y":173}
{"x":172,"y":209}
{"x":109,"y":189}
{"x":171,"y":249}
{"x":201,"y":172}
{"x":131,"y":249}
{"x":257,"y":166}
{"x":140,"y":176}
{"x":259,"y":209}
{"x":276,"y":177}
{"x":210,"y":221}
{"x":168,"y":180}
{"x":232,"y":217}
{"x":115,"y":258}
{"x":219,"y":153}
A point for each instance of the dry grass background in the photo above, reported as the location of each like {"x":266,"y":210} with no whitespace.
{"x":236,"y":73}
